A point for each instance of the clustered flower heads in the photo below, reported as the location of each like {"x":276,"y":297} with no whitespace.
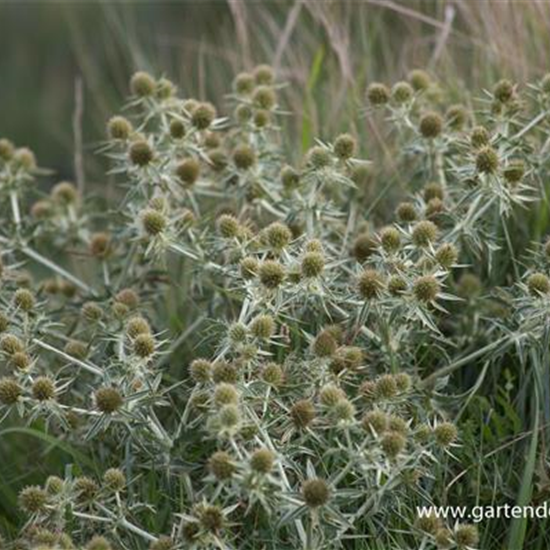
{"x":247,"y":339}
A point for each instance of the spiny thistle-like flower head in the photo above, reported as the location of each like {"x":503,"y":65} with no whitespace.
{"x":188,"y":171}
{"x":264,"y":75}
{"x":92,"y":311}
{"x":363,"y":247}
{"x":345,"y":146}
{"x":290,"y":178}
{"x":378,"y":94}
{"x":114,"y":479}
{"x":142,"y":84}
{"x":203,"y":115}
{"x":229,"y":416}
{"x":318,"y":157}
{"x":7,"y":149}
{"x":244,"y":157}
{"x":201,"y":370}
{"x":330,"y":394}
{"x":315,"y":492}
{"x":10,"y":391}
{"x":402,"y":92}
{"x":302,"y":413}
{"x":271,"y":274}
{"x":108,"y":399}
{"x":371,"y":284}
{"x":406,"y":212}
{"x":393,"y":443}
{"x":479,"y":137}
{"x":278,"y":236}
{"x":86,"y":488}
{"x":432,"y":190}
{"x":431,"y":125}
{"x":487,"y":160}
{"x":386,"y":387}
{"x":390,"y":239}
{"x":312,"y":265}
{"x":222,"y":371}
{"x":264,"y":97}
{"x":244,"y":84}
{"x":226,"y":394}
{"x":24,"y":300}
{"x":262,"y":461}
{"x":424,"y":233}
{"x":325,"y":344}
{"x":538,"y":284}
{"x":504,"y":91}
{"x":445,"y":433}
{"x":153,"y":222}
{"x":119,"y":127}
{"x":144,"y":345}
{"x":221,"y":465}
{"x":262,"y":326}
{"x":64,"y":192}
{"x":273,"y":374}
{"x":426,"y":288}
{"x":162,"y":543}
{"x":456,"y":116}
{"x":10,"y":344}
{"x":141,"y":153}
{"x":43,"y":388}
{"x":514,"y":171}
{"x":420,"y":80}
{"x":33,"y":499}
{"x":376,"y":420}
{"x":100,"y":245}
{"x":447,"y":255}
{"x":396,"y":285}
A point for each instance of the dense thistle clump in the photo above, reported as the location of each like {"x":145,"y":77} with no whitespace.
{"x":263,"y":331}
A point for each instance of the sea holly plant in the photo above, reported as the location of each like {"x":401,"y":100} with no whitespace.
{"x":303,"y":395}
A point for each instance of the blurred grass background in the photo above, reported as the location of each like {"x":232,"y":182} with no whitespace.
{"x":326,"y":50}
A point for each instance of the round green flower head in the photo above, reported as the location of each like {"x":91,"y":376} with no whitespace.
{"x":264,"y":75}
{"x":403,"y":382}
{"x":390,"y":239}
{"x":271,"y":273}
{"x":244,"y":157}
{"x":244,"y":84}
{"x":487,"y":160}
{"x":402,"y":92}
{"x":33,"y":499}
{"x":426,"y":288}
{"x":324,"y":344}
{"x":313,"y":264}
{"x":201,"y":370}
{"x":315,"y":492}
{"x":514,"y":171}
{"x":142,"y":84}
{"x":162,"y":543}
{"x":393,"y":443}
{"x":137,"y":325}
{"x":108,"y":400}
{"x":447,"y":255}
{"x":456,"y":116}
{"x":262,"y":118}
{"x":119,"y":127}
{"x":290,"y":178}
{"x":264,"y":97}
{"x":363,"y":247}
{"x":24,"y":300}
{"x":375,"y":420}
{"x":229,"y":416}
{"x":430,"y":125}
{"x":144,"y":345}
{"x":406,"y":212}
{"x":177,"y":129}
{"x":262,"y":326}
{"x":424,"y":233}
{"x":371,"y":284}
{"x":43,"y":389}
{"x":141,"y":153}
{"x":114,"y":479}
{"x":222,"y":371}
{"x":386,"y":387}
{"x":188,"y":171}
{"x":229,"y":227}
{"x":466,"y":536}
{"x":345,"y":146}
{"x":273,"y":374}
{"x":302,"y":413}
{"x":128,"y":297}
{"x":318,"y":157}
{"x":64,"y":193}
{"x":378,"y":94}
{"x":330,"y":394}
{"x":431,"y":191}
{"x":249,"y":267}
{"x":7,"y":149}
{"x":538,"y":283}
{"x":203,"y":115}
{"x":262,"y":461}
{"x":153,"y":221}
{"x":445,"y":433}
{"x":221,"y":465}
{"x":10,"y":344}
{"x":503,"y":91}
{"x":100,"y":245}
{"x":278,"y":236}
{"x":479,"y":137}
{"x":429,"y":524}
{"x":226,"y":394}
{"x":420,"y":80}
{"x":10,"y":391}
{"x":343,"y":411}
